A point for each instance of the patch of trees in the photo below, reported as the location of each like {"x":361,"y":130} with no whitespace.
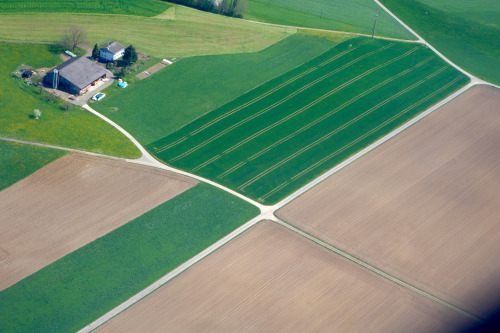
{"x":234,"y":8}
{"x":130,"y":55}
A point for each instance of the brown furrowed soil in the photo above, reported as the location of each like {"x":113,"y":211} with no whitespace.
{"x":271,"y":279}
{"x":425,"y":206}
{"x":70,"y":203}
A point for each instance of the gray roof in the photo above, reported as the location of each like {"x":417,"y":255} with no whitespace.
{"x":113,"y":47}
{"x":80,"y":71}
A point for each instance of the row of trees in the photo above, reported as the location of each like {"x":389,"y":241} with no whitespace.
{"x":234,"y":8}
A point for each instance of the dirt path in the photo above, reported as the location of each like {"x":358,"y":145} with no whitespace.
{"x":267,"y":212}
{"x":272,"y":279}
{"x":424,"y":207}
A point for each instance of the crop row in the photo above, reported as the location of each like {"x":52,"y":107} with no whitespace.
{"x":278,"y":137}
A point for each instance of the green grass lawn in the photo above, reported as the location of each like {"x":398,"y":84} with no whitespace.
{"x":179,"y":32}
{"x":18,"y":161}
{"x":77,"y":289}
{"x":278,"y":137}
{"x":167,"y":100}
{"x":344,"y":15}
{"x":466,"y":32}
{"x":75,"y":129}
{"x":128,"y":7}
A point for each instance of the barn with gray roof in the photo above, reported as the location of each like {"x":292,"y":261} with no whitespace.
{"x":75,"y":76}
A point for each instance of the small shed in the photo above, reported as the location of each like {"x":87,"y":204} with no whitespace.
{"x":111,"y":51}
{"x":27,"y":74}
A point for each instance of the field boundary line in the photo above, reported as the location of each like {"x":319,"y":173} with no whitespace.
{"x":236,"y":109}
{"x":334,"y":31}
{"x":149,"y":160}
{"x":377,"y":271}
{"x":473,"y":78}
{"x":371,"y":147}
{"x":267,"y":212}
{"x":255,"y":100}
{"x":71,"y":150}
{"x":332,"y":112}
{"x":406,"y":110}
{"x":316,"y":101}
{"x":259,"y":85}
{"x":171,"y":275}
{"x":272,"y":106}
{"x":327,"y":136}
{"x":284,"y":84}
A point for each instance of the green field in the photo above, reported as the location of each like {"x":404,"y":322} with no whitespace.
{"x":128,"y":7}
{"x":279,"y":136}
{"x":179,"y":32}
{"x":77,"y":289}
{"x":75,"y":129}
{"x":466,"y":32}
{"x":343,"y":15}
{"x":18,"y":161}
{"x":171,"y":98}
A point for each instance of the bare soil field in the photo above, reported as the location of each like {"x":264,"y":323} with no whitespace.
{"x":71,"y":202}
{"x":424,"y":206}
{"x":271,"y":279}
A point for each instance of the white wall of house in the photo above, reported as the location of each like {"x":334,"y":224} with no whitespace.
{"x":108,"y":56}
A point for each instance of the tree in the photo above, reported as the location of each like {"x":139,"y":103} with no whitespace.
{"x":37,"y":113}
{"x":40,"y":86}
{"x":73,"y":37}
{"x":95,"y":52}
{"x":67,"y":106}
{"x":51,"y":97}
{"x":130,"y":55}
{"x":240,"y":6}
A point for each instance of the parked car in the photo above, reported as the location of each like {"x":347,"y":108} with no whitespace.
{"x":98,"y":96}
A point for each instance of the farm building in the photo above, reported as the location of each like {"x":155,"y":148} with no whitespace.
{"x":27,"y":74}
{"x":75,"y":75}
{"x":111,"y":51}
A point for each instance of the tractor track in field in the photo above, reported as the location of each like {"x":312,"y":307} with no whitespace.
{"x":267,"y":212}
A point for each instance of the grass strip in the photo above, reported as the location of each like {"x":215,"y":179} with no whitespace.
{"x":82,"y":286}
{"x":18,"y":161}
{"x":342,"y":15}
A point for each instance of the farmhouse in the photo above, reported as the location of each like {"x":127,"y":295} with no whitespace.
{"x":75,"y":76}
{"x":111,"y":51}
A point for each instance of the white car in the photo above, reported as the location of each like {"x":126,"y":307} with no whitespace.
{"x":98,"y":96}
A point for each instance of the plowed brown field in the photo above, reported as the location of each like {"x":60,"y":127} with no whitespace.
{"x":70,"y":203}
{"x":424,"y":206}
{"x":271,"y":279}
